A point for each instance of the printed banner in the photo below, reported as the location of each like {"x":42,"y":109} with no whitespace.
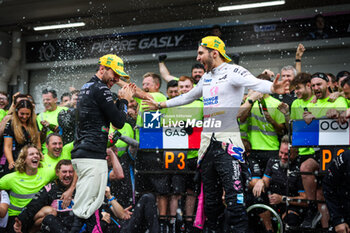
{"x":169,"y":138}
{"x":184,"y":39}
{"x":326,"y":132}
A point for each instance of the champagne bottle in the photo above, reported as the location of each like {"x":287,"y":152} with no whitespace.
{"x":263,"y":104}
{"x":114,"y":139}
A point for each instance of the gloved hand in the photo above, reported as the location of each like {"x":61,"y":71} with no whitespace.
{"x":162,"y":57}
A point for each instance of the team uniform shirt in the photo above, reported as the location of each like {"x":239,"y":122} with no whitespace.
{"x":67,"y":149}
{"x":243,"y":128}
{"x":49,"y":116}
{"x":50,"y":195}
{"x":348,"y":101}
{"x":278,"y":178}
{"x":254,"y":168}
{"x":296,"y":113}
{"x":4,"y":199}
{"x":52,"y":118}
{"x":261,"y":133}
{"x":23,"y":188}
{"x":125,"y":131}
{"x":320,"y":108}
{"x":158,"y":97}
{"x":96,"y":110}
{"x":336,"y":189}
{"x":222,"y":90}
{"x":3,"y":113}
{"x":16,"y":147}
{"x":184,"y":113}
{"x":51,"y":162}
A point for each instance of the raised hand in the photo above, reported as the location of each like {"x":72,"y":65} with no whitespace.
{"x":300,"y":51}
{"x":280,"y":87}
{"x":284,"y":108}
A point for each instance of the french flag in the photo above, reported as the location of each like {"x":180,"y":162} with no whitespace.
{"x":169,"y":138}
{"x":322,"y":132}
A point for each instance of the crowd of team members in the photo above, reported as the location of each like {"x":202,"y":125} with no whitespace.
{"x":39,"y":178}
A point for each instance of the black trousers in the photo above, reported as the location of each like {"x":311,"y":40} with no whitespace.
{"x":144,"y":216}
{"x":122,"y":189}
{"x":221,"y":172}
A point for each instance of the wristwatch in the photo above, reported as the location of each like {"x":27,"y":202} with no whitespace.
{"x":250,"y":101}
{"x":159,"y":106}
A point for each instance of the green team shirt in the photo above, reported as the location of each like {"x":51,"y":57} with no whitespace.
{"x":261,"y":133}
{"x":190,"y":111}
{"x":348,"y":102}
{"x":3,"y":113}
{"x":158,"y":97}
{"x":243,"y":128}
{"x":51,"y":162}
{"x":51,"y":117}
{"x":23,"y":187}
{"x":320,"y":108}
{"x":296,"y":113}
{"x":125,"y":131}
{"x":67,"y":149}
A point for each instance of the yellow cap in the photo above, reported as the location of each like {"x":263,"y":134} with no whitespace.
{"x":216,"y":43}
{"x":115,"y":63}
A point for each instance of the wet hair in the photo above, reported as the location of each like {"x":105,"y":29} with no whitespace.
{"x":301,"y":78}
{"x":20,"y":164}
{"x":346,"y":81}
{"x":65,"y":162}
{"x":47,"y":140}
{"x":53,"y":92}
{"x":197,"y":66}
{"x":264,"y":77}
{"x":24,"y":104}
{"x":156,"y":78}
{"x":289,"y":68}
{"x":64,"y":95}
{"x":22,"y":96}
{"x":171,"y":83}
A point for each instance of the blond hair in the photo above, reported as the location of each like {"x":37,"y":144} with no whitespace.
{"x":20,"y":164}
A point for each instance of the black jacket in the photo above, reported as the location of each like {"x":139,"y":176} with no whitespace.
{"x":336,"y":189}
{"x":47,"y":196}
{"x":95,"y":111}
